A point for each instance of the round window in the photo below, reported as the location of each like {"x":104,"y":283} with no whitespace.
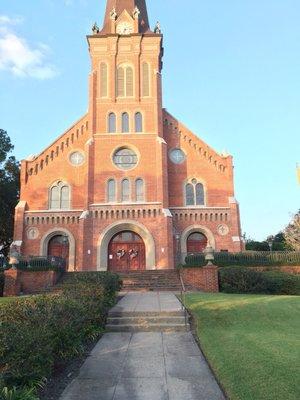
{"x":177,"y":156}
{"x":76,"y":158}
{"x":125,"y":159}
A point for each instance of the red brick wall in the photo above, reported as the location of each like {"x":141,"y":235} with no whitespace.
{"x":205,"y":278}
{"x":24,"y":282}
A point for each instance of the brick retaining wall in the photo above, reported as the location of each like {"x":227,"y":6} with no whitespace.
{"x":205,"y":278}
{"x":17,"y":282}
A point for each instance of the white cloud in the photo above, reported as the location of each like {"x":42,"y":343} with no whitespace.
{"x":19,"y":57}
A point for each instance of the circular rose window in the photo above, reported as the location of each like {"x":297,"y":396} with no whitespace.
{"x":76,"y":158}
{"x":177,"y":156}
{"x":125,"y":159}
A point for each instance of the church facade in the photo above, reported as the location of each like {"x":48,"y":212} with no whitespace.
{"x":128,"y":186}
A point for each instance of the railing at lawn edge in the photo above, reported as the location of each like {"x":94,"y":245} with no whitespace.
{"x":183,"y":297}
{"x":33,"y":263}
{"x":246,"y":259}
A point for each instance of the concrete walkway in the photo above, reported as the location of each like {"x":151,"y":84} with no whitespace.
{"x":145,"y":365}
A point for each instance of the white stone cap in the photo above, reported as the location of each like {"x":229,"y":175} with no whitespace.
{"x":236,"y":239}
{"x":167,"y":212}
{"x":84,"y":214}
{"x":161,"y":140}
{"x":17,"y":243}
{"x":232,"y":200}
{"x":31,"y":157}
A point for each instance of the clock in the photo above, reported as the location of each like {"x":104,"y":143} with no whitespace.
{"x":124,"y":28}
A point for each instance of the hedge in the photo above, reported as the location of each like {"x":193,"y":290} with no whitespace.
{"x":246,"y":280}
{"x":37,"y":333}
{"x":247,"y":259}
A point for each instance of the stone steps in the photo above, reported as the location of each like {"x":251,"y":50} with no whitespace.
{"x":159,"y":327}
{"x":158,"y":280}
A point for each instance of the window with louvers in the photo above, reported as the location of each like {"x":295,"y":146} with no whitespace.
{"x":120,"y":82}
{"x":103,"y":80}
{"x":145,"y":80}
{"x":125,"y":82}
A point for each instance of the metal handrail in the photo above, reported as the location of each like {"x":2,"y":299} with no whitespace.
{"x":183,"y":297}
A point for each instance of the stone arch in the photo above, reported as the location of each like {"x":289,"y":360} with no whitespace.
{"x":59,"y":231}
{"x":115,"y":228}
{"x":196,"y":228}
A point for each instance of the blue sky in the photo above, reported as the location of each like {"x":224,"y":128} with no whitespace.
{"x":231,"y":74}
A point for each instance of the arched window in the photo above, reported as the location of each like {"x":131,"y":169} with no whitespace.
{"x":129,"y":82}
{"x":194,"y":193}
{"x":139,"y":190}
{"x":189,"y":195}
{"x":125,"y":81}
{"x":138,"y":121}
{"x":111,"y":191}
{"x":200,"y":194}
{"x":145,"y":80}
{"x":59,"y":196}
{"x":125,"y":190}
{"x":125,"y":122}
{"x":103,"y":80}
{"x":112,"y":123}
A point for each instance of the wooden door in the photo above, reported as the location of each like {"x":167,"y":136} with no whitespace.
{"x":58,"y":246}
{"x":126,"y":252}
{"x":196,"y":243}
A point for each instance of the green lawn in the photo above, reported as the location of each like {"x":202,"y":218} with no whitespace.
{"x":252,"y":342}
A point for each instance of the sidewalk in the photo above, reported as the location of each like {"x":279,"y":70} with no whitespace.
{"x":145,"y":365}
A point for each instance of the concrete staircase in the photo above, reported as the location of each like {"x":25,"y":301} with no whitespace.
{"x":148,"y":312}
{"x":158,"y":280}
{"x":147,"y":322}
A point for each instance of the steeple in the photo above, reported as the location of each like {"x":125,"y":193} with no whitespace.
{"x":135,"y":8}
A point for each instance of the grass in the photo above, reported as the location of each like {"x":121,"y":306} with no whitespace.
{"x":252,"y":343}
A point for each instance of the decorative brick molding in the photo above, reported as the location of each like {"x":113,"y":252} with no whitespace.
{"x":205,"y":278}
{"x":17,"y":282}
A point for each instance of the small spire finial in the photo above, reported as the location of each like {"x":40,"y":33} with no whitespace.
{"x":136,"y":13}
{"x":157,"y":28}
{"x":95,"y":29}
{"x":113,"y":14}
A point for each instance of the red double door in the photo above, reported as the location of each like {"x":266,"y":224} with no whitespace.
{"x":126,"y":252}
{"x":59,"y":247}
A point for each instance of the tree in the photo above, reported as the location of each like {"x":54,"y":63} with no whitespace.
{"x":292,"y":233}
{"x":9,"y":190}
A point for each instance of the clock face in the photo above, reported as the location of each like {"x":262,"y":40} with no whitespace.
{"x":124,"y":28}
{"x":177,"y":156}
{"x":76,"y":158}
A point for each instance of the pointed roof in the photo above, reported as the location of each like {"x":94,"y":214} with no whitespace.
{"x":129,"y":5}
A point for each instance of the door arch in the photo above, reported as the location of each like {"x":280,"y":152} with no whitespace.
{"x":126,"y":252}
{"x":59,"y":246}
{"x":196,"y":242}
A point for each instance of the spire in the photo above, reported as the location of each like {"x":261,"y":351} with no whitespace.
{"x":114,"y":9}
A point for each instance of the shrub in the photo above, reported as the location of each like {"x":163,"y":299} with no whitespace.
{"x":246,"y":280}
{"x":18,"y":394}
{"x":39,"y":332}
{"x":1,"y":283}
{"x":247,"y":259}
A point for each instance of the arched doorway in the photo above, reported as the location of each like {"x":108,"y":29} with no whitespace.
{"x":58,"y":246}
{"x":126,"y":251}
{"x":196,"y":242}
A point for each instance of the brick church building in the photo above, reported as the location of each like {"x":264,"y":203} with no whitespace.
{"x":127,"y":186}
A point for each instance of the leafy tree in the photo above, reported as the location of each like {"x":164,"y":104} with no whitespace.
{"x":292,"y":233}
{"x":279,"y":244}
{"x":9,"y":190}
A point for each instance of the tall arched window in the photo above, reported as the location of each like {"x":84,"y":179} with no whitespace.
{"x":125,"y":81}
{"x":139,"y":190}
{"x":138,"y":122}
{"x":125,"y":190}
{"x":194,"y":193}
{"x":120,"y":82}
{"x":112,"y":123}
{"x":59,"y":196}
{"x":145,"y":80}
{"x":189,"y":195}
{"x":129,"y":82}
{"x":103,"y":79}
{"x":200,"y":195}
{"x":111,"y":191}
{"x":125,"y":122}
